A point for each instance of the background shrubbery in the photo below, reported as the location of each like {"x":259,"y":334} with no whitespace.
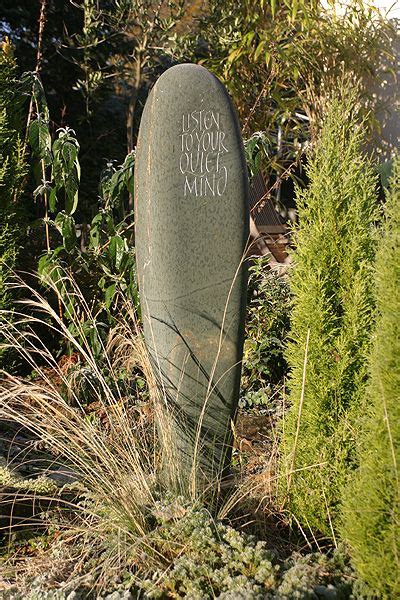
{"x":281,"y":62}
{"x":12,"y":172}
{"x":267,"y":325}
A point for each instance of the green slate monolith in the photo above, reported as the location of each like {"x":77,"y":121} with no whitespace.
{"x":192,"y":225}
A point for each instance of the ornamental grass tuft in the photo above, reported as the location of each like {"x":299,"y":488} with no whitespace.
{"x":92,"y":423}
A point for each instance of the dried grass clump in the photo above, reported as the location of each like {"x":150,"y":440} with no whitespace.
{"x":116,"y":458}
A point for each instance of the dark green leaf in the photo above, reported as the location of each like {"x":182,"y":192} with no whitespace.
{"x":66,"y":226}
{"x":53,"y":200}
{"x":95,"y":230}
{"x":40,"y":140}
{"x":109,"y":295}
{"x":117,"y":247}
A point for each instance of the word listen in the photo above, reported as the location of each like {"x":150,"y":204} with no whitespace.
{"x":203,"y":146}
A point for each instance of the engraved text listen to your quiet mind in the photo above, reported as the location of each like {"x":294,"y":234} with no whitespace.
{"x":203,"y":146}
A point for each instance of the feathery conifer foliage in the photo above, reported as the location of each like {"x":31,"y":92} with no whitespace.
{"x":372,"y":504}
{"x":12,"y":168}
{"x":331,"y":319}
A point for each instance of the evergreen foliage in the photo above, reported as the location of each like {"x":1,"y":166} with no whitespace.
{"x":11,"y":162}
{"x":331,"y":319}
{"x":372,"y":503}
{"x":267,"y":324}
{"x":12,"y":168}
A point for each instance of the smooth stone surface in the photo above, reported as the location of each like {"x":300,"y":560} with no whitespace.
{"x":192,"y":226}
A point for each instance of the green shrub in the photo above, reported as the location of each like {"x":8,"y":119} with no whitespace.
{"x":331,"y":319}
{"x":7,"y":258}
{"x":372,"y":503}
{"x":12,"y":171}
{"x":267,"y":325}
{"x":12,"y":168}
{"x":101,"y":256}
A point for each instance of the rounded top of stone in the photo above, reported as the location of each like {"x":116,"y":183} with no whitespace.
{"x":190,"y":73}
{"x":187,"y":66}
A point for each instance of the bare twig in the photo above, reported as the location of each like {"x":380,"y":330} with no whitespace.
{"x":42,"y":23}
{"x":303,"y":385}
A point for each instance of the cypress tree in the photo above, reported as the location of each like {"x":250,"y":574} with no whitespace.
{"x":331,"y":319}
{"x":371,"y":522}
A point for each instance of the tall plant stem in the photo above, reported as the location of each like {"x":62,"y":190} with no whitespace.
{"x":39,"y":58}
{"x":303,"y":387}
{"x":130,"y":121}
{"x":46,"y":208}
{"x":42,"y":23}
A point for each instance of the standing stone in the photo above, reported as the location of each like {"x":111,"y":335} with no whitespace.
{"x":191,"y":234}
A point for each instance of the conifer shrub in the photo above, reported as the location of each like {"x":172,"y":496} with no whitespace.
{"x":7,"y":258}
{"x":371,"y":522}
{"x":12,"y":164}
{"x":331,"y":319}
{"x":12,"y":170}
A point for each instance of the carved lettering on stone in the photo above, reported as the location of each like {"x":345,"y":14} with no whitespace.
{"x":203,"y":147}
